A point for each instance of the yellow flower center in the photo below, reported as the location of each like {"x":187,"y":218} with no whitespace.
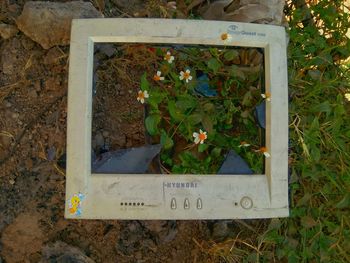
{"x":267,"y":94}
{"x":186,"y":75}
{"x":156,"y":77}
{"x":224,"y":36}
{"x":141,"y":95}
{"x":202,"y":136}
{"x":167,"y":56}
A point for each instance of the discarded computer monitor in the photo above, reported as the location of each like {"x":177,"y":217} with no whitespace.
{"x":94,"y":191}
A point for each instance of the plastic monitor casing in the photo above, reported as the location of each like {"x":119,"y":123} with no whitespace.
{"x":157,"y":196}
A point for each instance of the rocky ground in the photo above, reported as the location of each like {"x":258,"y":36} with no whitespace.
{"x":34,"y":55}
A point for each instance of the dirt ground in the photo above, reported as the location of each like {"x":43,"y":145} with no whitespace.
{"x":33,"y":103}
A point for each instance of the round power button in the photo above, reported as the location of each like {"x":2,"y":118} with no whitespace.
{"x":246,"y":202}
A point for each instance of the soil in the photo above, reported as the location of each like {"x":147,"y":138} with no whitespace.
{"x":33,"y":111}
{"x":118,"y":118}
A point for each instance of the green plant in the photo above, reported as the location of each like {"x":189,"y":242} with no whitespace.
{"x":318,"y":229}
{"x":195,"y":125}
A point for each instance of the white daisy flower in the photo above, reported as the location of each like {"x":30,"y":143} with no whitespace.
{"x":199,"y":137}
{"x":185,"y":75}
{"x":142,"y":95}
{"x":168,"y":57}
{"x":158,"y":77}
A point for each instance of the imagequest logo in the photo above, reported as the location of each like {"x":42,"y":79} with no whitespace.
{"x":234,"y":30}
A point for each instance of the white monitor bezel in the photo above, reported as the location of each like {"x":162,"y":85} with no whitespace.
{"x":105,"y":195}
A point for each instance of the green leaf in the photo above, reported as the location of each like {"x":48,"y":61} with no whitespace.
{"x":144,"y":82}
{"x":214,"y":65}
{"x":151,"y":123}
{"x":322,"y":107}
{"x":208,"y":107}
{"x":216,"y":152}
{"x":236,"y":72}
{"x":194,"y":118}
{"x":247,"y":99}
{"x":166,"y":141}
{"x":207,"y":123}
{"x":315,"y":153}
{"x":230,"y":54}
{"x":345,"y":202}
{"x":155,"y":98}
{"x":174,"y":112}
{"x":202,"y":147}
{"x":315,"y":74}
{"x":185,"y":102}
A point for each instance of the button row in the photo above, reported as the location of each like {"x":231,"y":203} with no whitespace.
{"x":173,"y":204}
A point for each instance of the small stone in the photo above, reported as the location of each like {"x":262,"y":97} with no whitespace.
{"x":12,"y":182}
{"x":107,"y":49}
{"x":8,"y":104}
{"x":62,"y":252}
{"x":13,"y":8}
{"x":49,"y":23}
{"x":99,"y":140}
{"x":7,"y":31}
{"x":155,"y":225}
{"x":220,"y":230}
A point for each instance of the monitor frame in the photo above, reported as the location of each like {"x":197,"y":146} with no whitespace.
{"x":157,"y":196}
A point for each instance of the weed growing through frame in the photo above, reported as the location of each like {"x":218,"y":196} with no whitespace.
{"x":200,"y":106}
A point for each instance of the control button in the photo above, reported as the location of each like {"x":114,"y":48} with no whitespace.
{"x":246,"y":202}
{"x":173,"y":203}
{"x":199,"y":203}
{"x":186,"y":204}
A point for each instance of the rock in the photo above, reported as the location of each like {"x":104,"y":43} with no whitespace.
{"x":221,"y":230}
{"x":60,"y":252}
{"x":49,"y":23}
{"x":99,"y":140}
{"x":107,"y":49}
{"x":22,"y":238}
{"x":249,"y":11}
{"x":133,"y":238}
{"x":7,"y":31}
{"x":161,"y":230}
